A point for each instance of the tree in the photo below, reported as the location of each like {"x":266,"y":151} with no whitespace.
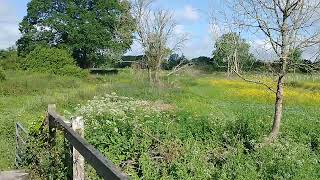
{"x":174,"y":61}
{"x":287,"y":25}
{"x":233,"y":51}
{"x":93,"y":30}
{"x":155,"y":32}
{"x":295,"y":57}
{"x":9,"y":59}
{"x":52,"y":61}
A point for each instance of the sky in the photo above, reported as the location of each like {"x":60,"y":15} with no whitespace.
{"x":191,"y":16}
{"x":11,"y":13}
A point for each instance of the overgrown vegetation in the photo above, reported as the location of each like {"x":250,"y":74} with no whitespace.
{"x":2,"y":75}
{"x":155,"y":124}
{"x":52,"y":60}
{"x":202,"y":127}
{"x":9,"y":59}
{"x":24,"y":97}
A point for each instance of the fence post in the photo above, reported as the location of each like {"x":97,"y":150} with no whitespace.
{"x":78,"y":160}
{"x":51,"y":124}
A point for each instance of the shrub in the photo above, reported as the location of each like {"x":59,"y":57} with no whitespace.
{"x":73,"y":71}
{"x":2,"y":75}
{"x":44,"y":165}
{"x":52,"y":60}
{"x":9,"y":60}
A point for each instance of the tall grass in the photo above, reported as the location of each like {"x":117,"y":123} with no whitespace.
{"x":24,"y":98}
{"x":212,"y":131}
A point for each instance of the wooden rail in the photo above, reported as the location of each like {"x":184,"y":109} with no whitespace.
{"x":104,"y":167}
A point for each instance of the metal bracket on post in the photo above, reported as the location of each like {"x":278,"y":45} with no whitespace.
{"x":78,"y":160}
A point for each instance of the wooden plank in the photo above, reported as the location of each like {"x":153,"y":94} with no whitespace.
{"x":78,"y":160}
{"x":51,"y":124}
{"x":14,"y":175}
{"x":104,"y":167}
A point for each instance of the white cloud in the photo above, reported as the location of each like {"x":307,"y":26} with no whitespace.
{"x":262,"y":49}
{"x":9,"y":32}
{"x":198,"y":47}
{"x":179,"y":29}
{"x":188,"y":13}
{"x":135,"y":49}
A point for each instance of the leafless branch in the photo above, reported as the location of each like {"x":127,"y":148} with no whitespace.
{"x":255,"y":82}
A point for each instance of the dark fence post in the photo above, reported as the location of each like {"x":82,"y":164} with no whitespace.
{"x":52,"y":125}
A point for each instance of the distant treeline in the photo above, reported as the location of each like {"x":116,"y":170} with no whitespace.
{"x":10,"y":60}
{"x":208,"y":64}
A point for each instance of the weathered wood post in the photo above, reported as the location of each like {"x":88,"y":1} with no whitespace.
{"x":78,"y":160}
{"x":51,"y":124}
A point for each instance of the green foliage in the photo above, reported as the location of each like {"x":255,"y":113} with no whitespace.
{"x":2,"y":75}
{"x":53,"y":61}
{"x":192,"y":128}
{"x":149,"y":141}
{"x":296,"y":56}
{"x":9,"y":59}
{"x":94,"y":31}
{"x":173,"y":61}
{"x":44,"y":165}
{"x":225,"y":49}
{"x":24,"y":98}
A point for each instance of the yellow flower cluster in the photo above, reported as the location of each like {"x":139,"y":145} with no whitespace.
{"x":245,"y":90}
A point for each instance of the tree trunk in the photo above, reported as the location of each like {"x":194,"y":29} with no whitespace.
{"x":228,"y":71}
{"x":156,"y":77}
{"x":150,"y":75}
{"x":279,"y":94}
{"x":235,"y":61}
{"x":278,"y":109}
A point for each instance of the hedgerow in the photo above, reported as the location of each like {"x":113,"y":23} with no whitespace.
{"x":52,"y":60}
{"x":2,"y":75}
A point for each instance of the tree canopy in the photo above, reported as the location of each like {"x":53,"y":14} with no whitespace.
{"x":231,"y":49}
{"x":92,"y":30}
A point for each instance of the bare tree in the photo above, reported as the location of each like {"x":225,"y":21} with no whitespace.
{"x":155,"y":33}
{"x":287,"y":25}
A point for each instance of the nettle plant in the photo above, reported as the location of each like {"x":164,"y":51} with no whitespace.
{"x":122,"y":128}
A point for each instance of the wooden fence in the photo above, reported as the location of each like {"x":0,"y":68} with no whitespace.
{"x":104,"y":167}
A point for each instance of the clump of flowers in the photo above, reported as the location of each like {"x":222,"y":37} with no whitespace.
{"x":122,"y":127}
{"x":119,"y":106}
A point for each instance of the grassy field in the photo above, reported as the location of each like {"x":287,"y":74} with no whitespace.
{"x":212,"y":130}
{"x":24,"y":98}
{"x":210,"y":126}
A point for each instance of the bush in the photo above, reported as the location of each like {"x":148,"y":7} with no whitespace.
{"x":9,"y":60}
{"x":73,"y":71}
{"x":2,"y":75}
{"x":44,"y":165}
{"x":52,"y":60}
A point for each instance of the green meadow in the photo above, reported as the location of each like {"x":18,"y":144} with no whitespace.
{"x":202,"y":126}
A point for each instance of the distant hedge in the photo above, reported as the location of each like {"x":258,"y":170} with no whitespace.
{"x":2,"y":75}
{"x":52,"y":60}
{"x":9,"y":59}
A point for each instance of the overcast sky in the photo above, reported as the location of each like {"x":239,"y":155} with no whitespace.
{"x":190,"y":15}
